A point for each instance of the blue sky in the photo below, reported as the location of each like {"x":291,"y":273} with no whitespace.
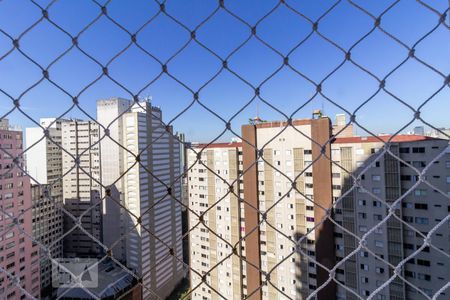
{"x":226,"y":94}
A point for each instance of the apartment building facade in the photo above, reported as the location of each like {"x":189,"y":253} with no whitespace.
{"x":19,"y":257}
{"x":384,"y":179}
{"x":109,"y":116}
{"x":44,"y":165}
{"x":48,"y":230}
{"x":44,"y":156}
{"x":208,"y":192}
{"x":81,"y":187}
{"x":272,"y":215}
{"x":153,"y":229}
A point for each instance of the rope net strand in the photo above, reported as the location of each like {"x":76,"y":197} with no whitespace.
{"x":378,"y":248}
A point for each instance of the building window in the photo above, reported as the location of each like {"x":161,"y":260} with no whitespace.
{"x":420,"y":192}
{"x":364,"y":254}
{"x":405,"y":177}
{"x":424,"y":276}
{"x":419,"y":164}
{"x":408,"y":219}
{"x":377,"y":217}
{"x":410,"y":274}
{"x":376,"y":177}
{"x":422,"y":262}
{"x":404,"y":150}
{"x":418,"y":150}
{"x":423,"y":221}
{"x":423,"y":206}
{"x":407,"y":205}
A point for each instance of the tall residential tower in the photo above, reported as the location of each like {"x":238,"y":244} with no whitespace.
{"x":81,"y":187}
{"x":19,"y":256}
{"x":44,"y":164}
{"x":152,"y":189}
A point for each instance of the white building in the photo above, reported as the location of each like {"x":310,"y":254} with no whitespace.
{"x":44,"y":157}
{"x":109,"y":116}
{"x":146,"y":196}
{"x":44,"y":164}
{"x":205,"y":249}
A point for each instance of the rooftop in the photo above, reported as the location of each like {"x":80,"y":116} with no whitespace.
{"x":218,"y":145}
{"x":400,"y":138}
{"x":112,"y":280}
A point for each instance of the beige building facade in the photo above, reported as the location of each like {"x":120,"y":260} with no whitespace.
{"x":284,"y":181}
{"x":263,"y":224}
{"x":81,"y":187}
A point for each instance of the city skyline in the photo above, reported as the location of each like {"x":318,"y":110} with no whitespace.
{"x":224,"y":149}
{"x":275,"y":164}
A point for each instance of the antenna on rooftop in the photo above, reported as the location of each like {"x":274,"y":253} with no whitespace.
{"x":257,"y":119}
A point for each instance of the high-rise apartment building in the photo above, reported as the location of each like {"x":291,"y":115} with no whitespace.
{"x":265,"y":224}
{"x":47,"y":230}
{"x":44,"y":156}
{"x":109,"y":115}
{"x":341,"y":128}
{"x":419,"y":130}
{"x":153,"y":216}
{"x":271,"y":217}
{"x":384,"y":179}
{"x":209,"y":192}
{"x":19,"y":257}
{"x":81,"y":159}
{"x":44,"y":165}
{"x":442,"y":133}
{"x":83,"y":243}
{"x":81,"y":186}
